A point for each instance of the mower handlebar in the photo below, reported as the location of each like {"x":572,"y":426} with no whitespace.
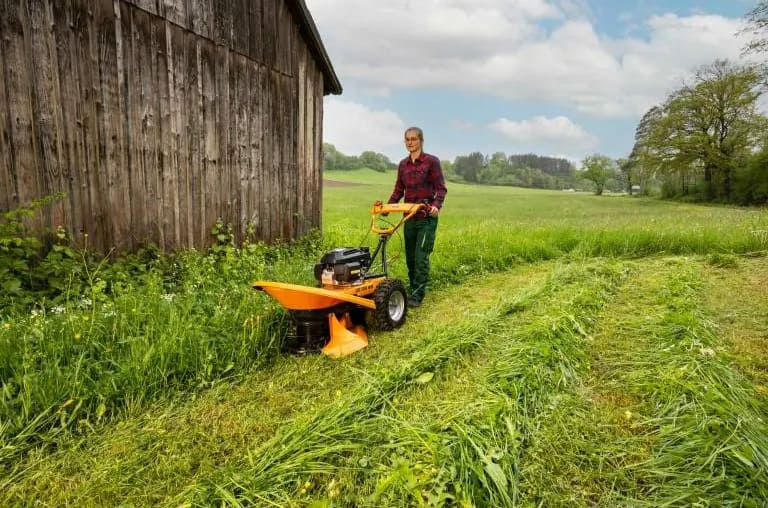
{"x":407,"y":209}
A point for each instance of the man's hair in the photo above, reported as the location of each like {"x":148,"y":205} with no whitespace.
{"x":417,"y":130}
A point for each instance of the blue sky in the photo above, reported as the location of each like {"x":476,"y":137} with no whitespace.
{"x":563,"y":78}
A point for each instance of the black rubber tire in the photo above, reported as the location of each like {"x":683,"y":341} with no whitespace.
{"x":391,"y":301}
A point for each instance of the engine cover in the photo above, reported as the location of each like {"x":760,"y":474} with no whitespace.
{"x":345,"y":265}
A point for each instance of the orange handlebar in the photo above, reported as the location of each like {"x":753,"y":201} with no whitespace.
{"x":407,"y":209}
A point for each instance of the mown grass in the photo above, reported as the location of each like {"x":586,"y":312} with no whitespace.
{"x":78,"y":376}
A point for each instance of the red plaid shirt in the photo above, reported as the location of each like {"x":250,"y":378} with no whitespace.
{"x":420,"y":180}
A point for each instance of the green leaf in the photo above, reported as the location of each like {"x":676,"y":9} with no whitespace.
{"x":425,"y":378}
{"x":12,"y":285}
{"x":496,"y":474}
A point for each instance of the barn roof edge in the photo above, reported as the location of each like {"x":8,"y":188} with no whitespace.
{"x":307,"y":26}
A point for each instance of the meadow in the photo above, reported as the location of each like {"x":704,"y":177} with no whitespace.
{"x":573,"y":350}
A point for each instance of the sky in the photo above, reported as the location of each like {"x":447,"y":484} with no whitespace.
{"x":562,"y":78}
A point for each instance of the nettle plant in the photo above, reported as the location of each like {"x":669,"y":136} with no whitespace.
{"x":29,"y":269}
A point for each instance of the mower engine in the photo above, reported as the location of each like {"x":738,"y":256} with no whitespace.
{"x":345,"y":266}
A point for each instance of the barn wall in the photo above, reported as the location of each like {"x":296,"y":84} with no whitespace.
{"x":157,"y":117}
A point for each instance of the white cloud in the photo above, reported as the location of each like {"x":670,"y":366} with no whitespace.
{"x":500,"y":48}
{"x":559,"y":132}
{"x":354,"y":128}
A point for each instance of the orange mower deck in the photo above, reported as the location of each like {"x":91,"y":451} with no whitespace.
{"x":333,"y":304}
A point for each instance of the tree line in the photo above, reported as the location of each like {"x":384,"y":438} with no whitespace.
{"x":335,"y":160}
{"x":523,"y":170}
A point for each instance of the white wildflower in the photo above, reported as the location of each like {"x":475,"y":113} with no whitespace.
{"x":168,"y":297}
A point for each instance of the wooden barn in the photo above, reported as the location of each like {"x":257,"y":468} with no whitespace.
{"x":159,"y":117}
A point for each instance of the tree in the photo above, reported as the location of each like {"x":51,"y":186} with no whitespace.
{"x":469,"y":166}
{"x":598,"y":169}
{"x":642,"y":160}
{"x":704,"y":128}
{"x":627,"y":168}
{"x":375,"y":161}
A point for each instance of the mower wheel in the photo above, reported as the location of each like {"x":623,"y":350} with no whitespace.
{"x":391,"y":305}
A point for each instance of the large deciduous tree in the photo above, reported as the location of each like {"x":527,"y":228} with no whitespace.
{"x":598,"y":169}
{"x":704,"y":129}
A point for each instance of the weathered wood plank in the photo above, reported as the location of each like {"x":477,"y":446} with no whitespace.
{"x":48,"y":110}
{"x":222,"y":22}
{"x":8,"y":185}
{"x":269,"y":33}
{"x":168,"y":166}
{"x":301,"y":138}
{"x":267,"y":175}
{"x":317,"y":145}
{"x":199,"y":16}
{"x":67,"y":87}
{"x":240,"y":26}
{"x":194,"y":135}
{"x":254,"y":155}
{"x":79,"y":108}
{"x":278,"y":124}
{"x":178,"y":56}
{"x":284,"y":48}
{"x":148,"y":35}
{"x":174,"y":11}
{"x":88,"y":63}
{"x":132,"y":41}
{"x":112,"y":184}
{"x":210,"y":212}
{"x":223,"y":127}
{"x":19,"y":80}
{"x":255,"y":42}
{"x":286,"y":169}
{"x":240,"y":161}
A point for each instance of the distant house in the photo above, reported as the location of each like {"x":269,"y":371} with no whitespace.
{"x":157,"y":117}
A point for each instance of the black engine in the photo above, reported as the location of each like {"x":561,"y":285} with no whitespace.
{"x":343,"y":266}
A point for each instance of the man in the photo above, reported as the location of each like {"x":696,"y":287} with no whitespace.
{"x":419,"y":180}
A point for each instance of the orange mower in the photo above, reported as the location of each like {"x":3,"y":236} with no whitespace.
{"x":348,"y":295}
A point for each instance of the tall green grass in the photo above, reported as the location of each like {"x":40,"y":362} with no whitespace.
{"x":70,"y":367}
{"x":160,"y":332}
{"x":488,"y":228}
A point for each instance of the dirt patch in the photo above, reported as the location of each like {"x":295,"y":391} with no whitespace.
{"x":336,"y":183}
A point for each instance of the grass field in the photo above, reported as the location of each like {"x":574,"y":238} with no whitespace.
{"x":573,"y":350}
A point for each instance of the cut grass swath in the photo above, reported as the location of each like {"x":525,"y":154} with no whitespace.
{"x":318,"y":445}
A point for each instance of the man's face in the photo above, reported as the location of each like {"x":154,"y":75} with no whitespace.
{"x":412,"y":142}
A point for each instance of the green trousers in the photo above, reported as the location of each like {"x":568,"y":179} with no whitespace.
{"x":419,"y":242}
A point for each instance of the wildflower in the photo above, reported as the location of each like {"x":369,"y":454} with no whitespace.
{"x":707,"y":351}
{"x":35,"y":313}
{"x":6,"y":325}
{"x":58,"y":309}
{"x":168,"y":297}
{"x":628,"y":415}
{"x":85,"y":303}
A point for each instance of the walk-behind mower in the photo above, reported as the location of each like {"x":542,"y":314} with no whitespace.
{"x":351,"y":292}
